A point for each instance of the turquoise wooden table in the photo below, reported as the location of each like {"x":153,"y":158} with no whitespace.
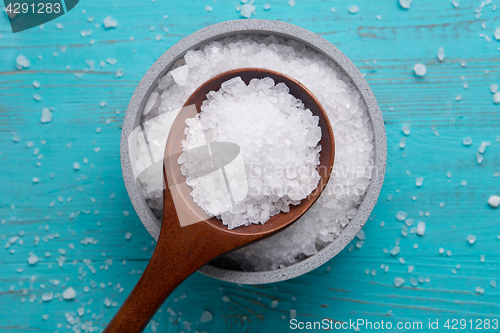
{"x":85,"y":235}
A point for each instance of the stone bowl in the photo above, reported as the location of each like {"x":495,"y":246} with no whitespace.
{"x":287,"y":31}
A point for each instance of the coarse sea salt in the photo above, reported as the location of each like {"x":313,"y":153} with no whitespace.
{"x":494,"y":201}
{"x":420,"y":69}
{"x":261,"y":118}
{"x":440,"y":53}
{"x":327,"y":218}
{"x":405,"y":3}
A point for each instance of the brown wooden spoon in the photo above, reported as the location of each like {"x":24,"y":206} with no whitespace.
{"x":189,"y":238}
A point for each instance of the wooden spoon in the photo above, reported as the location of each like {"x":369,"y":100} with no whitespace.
{"x":183,"y":247}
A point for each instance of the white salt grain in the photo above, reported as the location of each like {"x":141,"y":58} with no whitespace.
{"x":247,"y":10}
{"x":494,"y":88}
{"x":69,"y":294}
{"x":455,"y":3}
{"x":353,"y":9}
{"x":440,"y":53}
{"x":206,"y":317}
{"x":402,"y":143}
{"x":291,"y":3}
{"x":398,"y":282}
{"x":420,"y":69}
{"x":406,"y":129}
{"x":420,"y":228}
{"x":419,"y":181}
{"x":494,"y":201}
{"x":483,"y":146}
{"x":497,"y":33}
{"x":46,"y":116}
{"x":467,"y":141}
{"x":405,"y":3}
{"x":22,"y":62}
{"x":109,"y":22}
{"x":479,"y":290}
{"x":76,"y":166}
{"x":401,"y":216}
{"x":471,"y":239}
{"x":496,"y":98}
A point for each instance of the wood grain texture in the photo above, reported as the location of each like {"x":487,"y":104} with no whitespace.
{"x":385,"y":50}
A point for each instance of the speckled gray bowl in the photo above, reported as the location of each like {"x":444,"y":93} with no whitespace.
{"x":259,"y":27}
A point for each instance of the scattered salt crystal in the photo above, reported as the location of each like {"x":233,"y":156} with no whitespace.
{"x":494,"y":201}
{"x":291,"y":3}
{"x":467,"y":141}
{"x":441,"y":250}
{"x":119,"y":73}
{"x":479,"y":158}
{"x":420,"y":228}
{"x":440,"y":53}
{"x":497,"y":33}
{"x":398,"y":282}
{"x":479,"y":290}
{"x":59,"y":26}
{"x":402,"y":142}
{"x":158,"y":37}
{"x":402,"y":260}
{"x":274,"y":304}
{"x":46,"y":116}
{"x":483,"y":146}
{"x":103,"y":104}
{"x":225,"y":299}
{"x":97,"y":149}
{"x":493,"y":283}
{"x":405,"y":3}
{"x":111,"y":61}
{"x":420,"y":69}
{"x":32,"y":259}
{"x":37,"y":97}
{"x":109,"y":22}
{"x":36,"y":180}
{"x":401,"y":216}
{"x":361,"y":235}
{"x":410,"y":268}
{"x":464,"y":182}
{"x":419,"y":181}
{"x":208,"y":8}
{"x":22,"y":62}
{"x":494,"y":88}
{"x":496,"y":97}
{"x":395,"y":250}
{"x":247,"y":10}
{"x":98,"y":130}
{"x":76,"y":166}
{"x":293,"y":313}
{"x":267,"y":6}
{"x":482,"y":258}
{"x":471,"y":239}
{"x":455,"y":3}
{"x":47,"y":297}
{"x":128,"y":235}
{"x":206,"y":317}
{"x":126,"y":213}
{"x":36,"y":84}
{"x":458,"y":98}
{"x":353,"y":9}
{"x":69,"y":293}
{"x":448,"y":253}
{"x":406,"y":129}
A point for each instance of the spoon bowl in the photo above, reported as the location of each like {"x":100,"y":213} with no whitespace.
{"x":189,"y":238}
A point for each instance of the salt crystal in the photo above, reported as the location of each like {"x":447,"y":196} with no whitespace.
{"x":293,"y":313}
{"x":206,"y":317}
{"x":291,"y":3}
{"x":98,"y":130}
{"x":458,"y":98}
{"x":448,"y":253}
{"x":483,"y":146}
{"x":494,"y":201}
{"x":497,"y":33}
{"x":128,"y":235}
{"x":126,"y":213}
{"x":46,"y":116}
{"x":471,"y":239}
{"x":274,"y":304}
{"x":401,"y":216}
{"x":441,"y":250}
{"x":36,"y":84}
{"x":410,"y":268}
{"x":76,"y":166}
{"x":493,"y":283}
{"x":247,"y":10}
{"x":440,"y":53}
{"x":398,"y":282}
{"x":208,"y":8}
{"x":455,"y":3}
{"x":69,"y":294}
{"x":467,"y":141}
{"x":47,"y":297}
{"x":119,"y":73}
{"x":226,"y":299}
{"x":496,"y":97}
{"x":395,"y":251}
{"x":32,"y":259}
{"x":36,"y":180}
{"x":402,"y":142}
{"x":267,"y":6}
{"x":494,"y":88}
{"x":420,"y":69}
{"x":22,"y":62}
{"x":406,"y":129}
{"x":103,"y":104}
{"x":59,"y":26}
{"x":479,"y":158}
{"x":109,"y":22}
{"x":111,"y":61}
{"x":479,"y":290}
{"x":158,"y":37}
{"x":420,"y":228}
{"x":37,"y":97}
{"x":419,"y":181}
{"x":353,"y":9}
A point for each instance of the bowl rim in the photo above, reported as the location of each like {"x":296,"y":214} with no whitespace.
{"x":288,"y":31}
